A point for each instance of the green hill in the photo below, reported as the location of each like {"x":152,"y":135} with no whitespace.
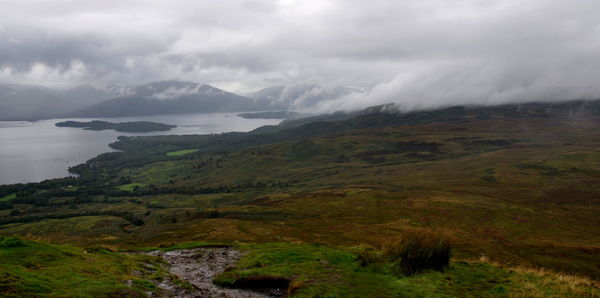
{"x":518,"y":185}
{"x":34,"y":269}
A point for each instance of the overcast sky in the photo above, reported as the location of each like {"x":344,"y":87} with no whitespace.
{"x":418,"y":53}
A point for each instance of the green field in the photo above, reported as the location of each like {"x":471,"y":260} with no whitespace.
{"x":8,"y":197}
{"x":182,"y":152}
{"x":131,"y":186}
{"x":514,"y":190}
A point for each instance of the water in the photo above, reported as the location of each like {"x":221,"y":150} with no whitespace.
{"x":36,"y":151}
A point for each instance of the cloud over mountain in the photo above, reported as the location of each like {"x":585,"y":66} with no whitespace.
{"x":415,"y":53}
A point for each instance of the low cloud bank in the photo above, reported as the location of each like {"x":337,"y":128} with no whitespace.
{"x":419,"y":54}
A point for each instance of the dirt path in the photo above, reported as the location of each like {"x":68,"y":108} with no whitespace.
{"x":198,"y":267}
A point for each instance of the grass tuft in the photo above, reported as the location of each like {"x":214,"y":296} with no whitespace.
{"x":419,"y":251}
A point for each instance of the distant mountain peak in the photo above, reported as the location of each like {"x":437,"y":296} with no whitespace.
{"x":23,"y":102}
{"x":169,"y":91}
{"x":168,"y":97}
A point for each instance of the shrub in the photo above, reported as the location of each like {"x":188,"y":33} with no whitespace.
{"x":419,"y":251}
{"x":9,"y":242}
{"x":5,"y":205}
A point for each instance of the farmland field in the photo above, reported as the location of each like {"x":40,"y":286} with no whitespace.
{"x":182,"y":152}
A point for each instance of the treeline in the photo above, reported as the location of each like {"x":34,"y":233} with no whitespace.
{"x":190,"y":190}
{"x":26,"y":190}
{"x":8,"y":189}
{"x":84,"y":195}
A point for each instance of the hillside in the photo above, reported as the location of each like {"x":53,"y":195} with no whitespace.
{"x":298,"y":96}
{"x":30,"y":104}
{"x":25,"y":102}
{"x":34,"y":269}
{"x":317,"y":204}
{"x":169,"y":97}
{"x":40,"y":269}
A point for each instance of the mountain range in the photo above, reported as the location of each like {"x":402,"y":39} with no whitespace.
{"x":29,"y":102}
{"x":168,"y":97}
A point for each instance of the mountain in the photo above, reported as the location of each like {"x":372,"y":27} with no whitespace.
{"x":30,"y":102}
{"x":392,"y":114}
{"x":167,"y":97}
{"x":297,"y":97}
{"x":86,"y":95}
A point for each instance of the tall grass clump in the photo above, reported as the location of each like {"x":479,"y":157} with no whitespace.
{"x":419,"y":251}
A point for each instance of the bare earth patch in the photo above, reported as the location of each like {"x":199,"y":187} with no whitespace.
{"x":199,"y":266}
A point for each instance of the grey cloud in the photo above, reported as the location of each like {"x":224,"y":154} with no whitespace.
{"x":420,"y":54}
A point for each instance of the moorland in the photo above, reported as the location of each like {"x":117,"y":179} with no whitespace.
{"x":319,"y":202}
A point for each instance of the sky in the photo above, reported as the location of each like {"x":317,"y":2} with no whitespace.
{"x":417,"y":53}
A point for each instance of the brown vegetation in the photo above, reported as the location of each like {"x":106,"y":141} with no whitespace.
{"x":419,"y":251}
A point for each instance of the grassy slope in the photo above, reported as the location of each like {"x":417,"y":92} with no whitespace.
{"x":8,"y":197}
{"x":532,"y":202}
{"x":320,"y":271}
{"x":130,"y":186}
{"x":181,"y":152}
{"x":38,"y":269}
{"x":528,"y":194}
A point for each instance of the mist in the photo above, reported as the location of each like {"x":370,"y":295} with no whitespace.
{"x":418,"y":54}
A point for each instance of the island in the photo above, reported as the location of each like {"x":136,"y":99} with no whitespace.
{"x":137,"y":126}
{"x":273,"y":115}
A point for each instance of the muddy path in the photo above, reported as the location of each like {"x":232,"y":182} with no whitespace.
{"x":199,"y":266}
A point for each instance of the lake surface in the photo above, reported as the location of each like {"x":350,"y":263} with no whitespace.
{"x":36,"y":151}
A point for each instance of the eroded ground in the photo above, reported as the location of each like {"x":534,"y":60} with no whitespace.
{"x":199,"y":266}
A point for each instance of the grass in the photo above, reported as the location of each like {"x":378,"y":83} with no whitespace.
{"x":182,"y":152}
{"x":29,"y":268}
{"x":8,"y":197}
{"x":37,"y":269}
{"x":420,"y":251}
{"x":315,"y":270}
{"x":131,"y":186}
{"x":322,"y":271}
{"x":481,"y":279}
